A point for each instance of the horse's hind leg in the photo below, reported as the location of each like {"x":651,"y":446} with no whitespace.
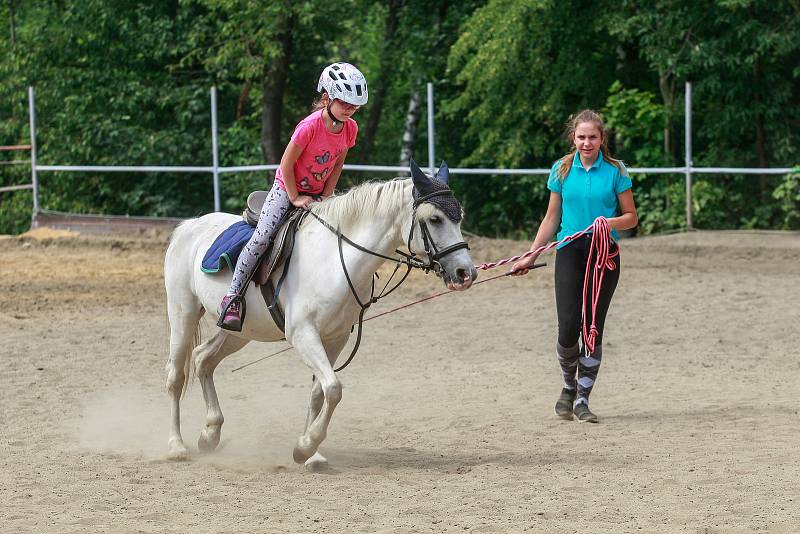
{"x":183,"y":325}
{"x":206,"y":358}
{"x":314,"y":354}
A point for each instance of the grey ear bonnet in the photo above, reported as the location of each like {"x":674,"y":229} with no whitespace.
{"x":425,"y":185}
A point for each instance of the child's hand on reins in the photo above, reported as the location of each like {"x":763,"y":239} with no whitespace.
{"x":302,"y":201}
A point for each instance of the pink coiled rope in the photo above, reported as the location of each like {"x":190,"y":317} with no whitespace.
{"x":601,"y":244}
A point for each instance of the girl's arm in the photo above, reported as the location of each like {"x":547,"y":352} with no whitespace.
{"x":548,"y":228}
{"x":288,"y":160}
{"x":330,"y":183}
{"x":627,"y":207}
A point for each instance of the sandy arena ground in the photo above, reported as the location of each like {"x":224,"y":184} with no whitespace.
{"x":447,"y":419}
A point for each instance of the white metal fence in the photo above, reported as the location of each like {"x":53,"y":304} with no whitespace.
{"x":215,"y":170}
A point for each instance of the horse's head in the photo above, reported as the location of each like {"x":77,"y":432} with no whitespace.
{"x":437,"y":215}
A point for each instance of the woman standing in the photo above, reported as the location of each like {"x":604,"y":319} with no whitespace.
{"x":585,"y":184}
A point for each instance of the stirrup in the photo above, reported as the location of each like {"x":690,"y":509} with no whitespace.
{"x":224,"y":311}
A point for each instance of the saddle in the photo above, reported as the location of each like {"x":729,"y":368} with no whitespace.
{"x":278,"y":253}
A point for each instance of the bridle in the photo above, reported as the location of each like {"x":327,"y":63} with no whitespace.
{"x":431,"y":251}
{"x":410,"y":260}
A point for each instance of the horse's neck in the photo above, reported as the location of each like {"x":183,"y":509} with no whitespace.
{"x":380,"y":233}
{"x":382,"y":241}
{"x":381,"y":236}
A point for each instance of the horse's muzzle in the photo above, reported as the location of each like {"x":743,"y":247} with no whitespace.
{"x":462,"y":279}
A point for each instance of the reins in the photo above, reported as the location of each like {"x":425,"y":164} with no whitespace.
{"x":409,"y":260}
{"x":601,"y":242}
{"x":341,"y":238}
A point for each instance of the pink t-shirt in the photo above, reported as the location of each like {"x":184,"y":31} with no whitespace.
{"x":321,"y":148}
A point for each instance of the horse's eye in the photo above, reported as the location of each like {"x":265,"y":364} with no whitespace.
{"x":436,"y":219}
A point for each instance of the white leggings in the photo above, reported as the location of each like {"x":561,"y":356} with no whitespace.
{"x":275,"y":207}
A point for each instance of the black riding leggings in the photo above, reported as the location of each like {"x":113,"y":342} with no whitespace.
{"x":569,"y":275}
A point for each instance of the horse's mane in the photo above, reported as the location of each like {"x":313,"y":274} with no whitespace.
{"x":370,"y":200}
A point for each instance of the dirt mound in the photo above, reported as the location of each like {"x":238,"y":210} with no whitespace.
{"x":42,"y":233}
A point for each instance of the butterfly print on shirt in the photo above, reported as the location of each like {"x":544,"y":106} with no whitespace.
{"x":323,"y":158}
{"x":322,"y":175}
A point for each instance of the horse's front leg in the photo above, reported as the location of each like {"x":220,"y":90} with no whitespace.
{"x":332,"y":348}
{"x":206,"y":358}
{"x":311,"y":348}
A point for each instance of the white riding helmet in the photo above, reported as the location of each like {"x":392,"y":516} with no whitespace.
{"x":345,"y":82}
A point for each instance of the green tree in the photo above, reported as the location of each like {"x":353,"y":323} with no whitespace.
{"x":126,"y":83}
{"x":271,"y":51}
{"x":108,"y":93}
{"x":521,"y":68}
{"x":742,"y":57}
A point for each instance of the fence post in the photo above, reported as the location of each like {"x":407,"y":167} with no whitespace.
{"x":215,"y":149}
{"x":688,"y":154}
{"x":34,"y":176}
{"x":431,"y":144}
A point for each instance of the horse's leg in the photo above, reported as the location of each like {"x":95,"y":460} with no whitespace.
{"x":311,"y":348}
{"x":183,"y":322}
{"x":332,"y":347}
{"x":206,"y":358}
{"x":317,"y":461}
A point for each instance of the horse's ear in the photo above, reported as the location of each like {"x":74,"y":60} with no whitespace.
{"x":420,"y":179}
{"x":443,"y":174}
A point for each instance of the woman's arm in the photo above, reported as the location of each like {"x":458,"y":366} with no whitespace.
{"x":627,"y":207}
{"x":290,"y":156}
{"x":330,"y":184}
{"x":547,"y":228}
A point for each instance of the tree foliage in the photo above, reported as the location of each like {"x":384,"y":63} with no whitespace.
{"x":127,"y":83}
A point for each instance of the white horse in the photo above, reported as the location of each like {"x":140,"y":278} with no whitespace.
{"x":318,"y":304}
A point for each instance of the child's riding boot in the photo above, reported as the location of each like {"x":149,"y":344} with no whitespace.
{"x":231,"y":313}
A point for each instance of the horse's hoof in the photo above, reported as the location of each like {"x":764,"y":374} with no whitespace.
{"x":208,"y":440}
{"x":317,"y":463}
{"x":299,"y":455}
{"x":177,"y":452}
{"x":303,"y":450}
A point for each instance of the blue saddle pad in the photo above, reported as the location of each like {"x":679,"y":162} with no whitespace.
{"x":227,"y":247}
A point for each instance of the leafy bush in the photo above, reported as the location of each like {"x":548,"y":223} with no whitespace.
{"x":660,"y":202}
{"x":788,"y":195}
{"x":15,"y":206}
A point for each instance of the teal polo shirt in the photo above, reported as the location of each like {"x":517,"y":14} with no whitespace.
{"x":586,"y":195}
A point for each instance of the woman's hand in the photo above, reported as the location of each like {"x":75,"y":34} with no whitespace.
{"x":302,"y":201}
{"x":522,"y":266}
